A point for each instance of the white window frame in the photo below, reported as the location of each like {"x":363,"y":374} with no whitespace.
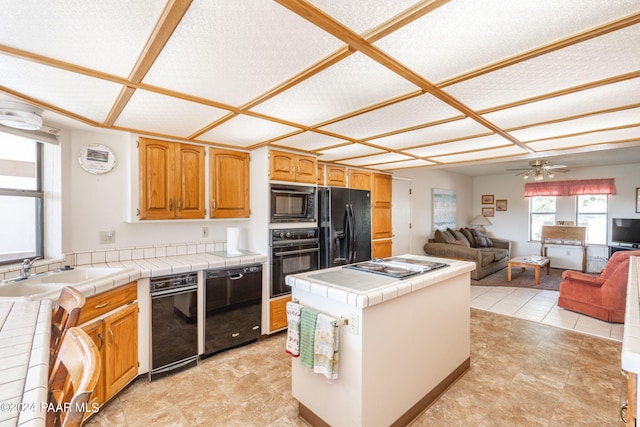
{"x":604,"y":214}
{"x":533,"y":214}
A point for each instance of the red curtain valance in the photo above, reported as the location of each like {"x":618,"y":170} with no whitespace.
{"x":570,"y":188}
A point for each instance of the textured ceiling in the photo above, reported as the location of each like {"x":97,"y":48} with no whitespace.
{"x":367,"y":83}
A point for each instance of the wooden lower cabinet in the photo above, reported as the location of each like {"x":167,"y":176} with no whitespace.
{"x":381,"y":248}
{"x":278,"y":313}
{"x":116,"y":336}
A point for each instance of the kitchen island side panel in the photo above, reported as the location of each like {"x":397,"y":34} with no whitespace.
{"x":400,"y":350}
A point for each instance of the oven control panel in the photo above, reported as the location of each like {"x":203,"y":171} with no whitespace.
{"x":297,"y":235}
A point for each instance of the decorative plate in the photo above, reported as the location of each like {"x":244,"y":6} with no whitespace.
{"x":96,"y":159}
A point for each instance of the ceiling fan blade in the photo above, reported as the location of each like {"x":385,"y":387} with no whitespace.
{"x":554,"y":166}
{"x":520,"y":169}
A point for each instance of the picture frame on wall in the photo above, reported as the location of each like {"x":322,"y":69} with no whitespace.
{"x":638,"y":200}
{"x":487,"y":212}
{"x":501,"y":205}
{"x":487,"y":199}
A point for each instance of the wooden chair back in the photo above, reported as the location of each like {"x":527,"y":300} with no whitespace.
{"x":73,"y":378}
{"x":65,"y":315}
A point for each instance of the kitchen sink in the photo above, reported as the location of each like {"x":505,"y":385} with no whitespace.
{"x":49,"y":284}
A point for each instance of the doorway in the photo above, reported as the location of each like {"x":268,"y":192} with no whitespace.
{"x":401,"y":216}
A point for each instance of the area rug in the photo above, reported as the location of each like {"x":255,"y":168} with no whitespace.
{"x":523,"y":279}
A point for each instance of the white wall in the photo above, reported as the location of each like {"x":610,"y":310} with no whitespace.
{"x":424,"y":180}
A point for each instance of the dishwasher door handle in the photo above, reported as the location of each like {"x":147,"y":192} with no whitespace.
{"x":173,"y":291}
{"x":236,"y":276}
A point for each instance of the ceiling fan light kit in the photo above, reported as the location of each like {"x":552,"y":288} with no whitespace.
{"x":20,"y":116}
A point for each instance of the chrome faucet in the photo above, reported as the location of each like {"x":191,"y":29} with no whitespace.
{"x":25,"y":268}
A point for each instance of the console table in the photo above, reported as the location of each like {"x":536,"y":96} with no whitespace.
{"x":564,"y":235}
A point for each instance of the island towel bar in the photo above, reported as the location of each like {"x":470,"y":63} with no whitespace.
{"x":341,"y":321}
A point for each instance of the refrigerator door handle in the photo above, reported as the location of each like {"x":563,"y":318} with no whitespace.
{"x":352,"y":238}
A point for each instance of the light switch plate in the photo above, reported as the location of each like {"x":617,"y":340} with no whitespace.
{"x":107,"y":237}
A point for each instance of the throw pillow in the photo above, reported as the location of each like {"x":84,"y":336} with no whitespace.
{"x":482,"y":241}
{"x":441,"y":236}
{"x":467,"y":233}
{"x":459,"y":237}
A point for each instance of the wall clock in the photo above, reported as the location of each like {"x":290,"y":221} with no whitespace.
{"x":96,"y":159}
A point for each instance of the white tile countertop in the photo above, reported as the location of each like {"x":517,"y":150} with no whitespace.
{"x":25,"y":330}
{"x":364,"y":289}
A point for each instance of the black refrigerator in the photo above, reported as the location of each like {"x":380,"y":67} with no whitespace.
{"x":345,"y":226}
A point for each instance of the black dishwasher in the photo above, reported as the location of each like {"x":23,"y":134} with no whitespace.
{"x":233,"y":307}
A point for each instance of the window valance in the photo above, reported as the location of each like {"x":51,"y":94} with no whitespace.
{"x":570,"y":188}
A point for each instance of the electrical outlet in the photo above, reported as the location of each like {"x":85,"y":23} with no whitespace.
{"x":354,"y":324}
{"x":107,"y":237}
{"x":205,"y":231}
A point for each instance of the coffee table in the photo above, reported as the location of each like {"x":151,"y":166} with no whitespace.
{"x":530,"y":261}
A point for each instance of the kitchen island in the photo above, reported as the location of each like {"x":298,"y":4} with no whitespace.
{"x":404,"y":343}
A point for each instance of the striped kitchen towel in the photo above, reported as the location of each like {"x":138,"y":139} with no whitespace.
{"x":325,"y":353}
{"x":308,"y":320}
{"x":293,"y":328}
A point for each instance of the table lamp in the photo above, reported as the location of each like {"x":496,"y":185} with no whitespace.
{"x":479,"y":222}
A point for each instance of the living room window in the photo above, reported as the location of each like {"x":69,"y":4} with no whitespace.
{"x":591,"y":212}
{"x":21,"y":198}
{"x":542,"y":211}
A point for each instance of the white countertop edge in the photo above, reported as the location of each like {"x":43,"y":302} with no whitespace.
{"x":631,"y":337}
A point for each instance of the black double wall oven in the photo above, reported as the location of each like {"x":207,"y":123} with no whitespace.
{"x":293,"y":250}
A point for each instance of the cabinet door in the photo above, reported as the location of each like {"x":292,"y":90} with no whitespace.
{"x":359,"y":180}
{"x":381,"y":248}
{"x":278,"y":314}
{"x":381,"y":206}
{"x":229,"y":186}
{"x":96,"y":331}
{"x":156,"y":179}
{"x":306,"y":169}
{"x":282,"y":166}
{"x":320,"y":177}
{"x":336,"y":176}
{"x":121,"y":341}
{"x":189,"y":187}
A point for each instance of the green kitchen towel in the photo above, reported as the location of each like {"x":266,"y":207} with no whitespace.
{"x":308,"y":320}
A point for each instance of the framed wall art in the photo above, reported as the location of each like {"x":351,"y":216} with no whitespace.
{"x":501,"y":205}
{"x":487,"y":199}
{"x":96,"y":159}
{"x":487,"y":212}
{"x":444,"y":209}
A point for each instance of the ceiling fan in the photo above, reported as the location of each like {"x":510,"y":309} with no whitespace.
{"x":538,"y":169}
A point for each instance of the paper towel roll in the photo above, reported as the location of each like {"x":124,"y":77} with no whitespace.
{"x":233,"y":234}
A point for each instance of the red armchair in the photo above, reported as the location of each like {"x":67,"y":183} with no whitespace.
{"x":603,"y":297}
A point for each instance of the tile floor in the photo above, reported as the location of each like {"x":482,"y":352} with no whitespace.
{"x":523,"y":373}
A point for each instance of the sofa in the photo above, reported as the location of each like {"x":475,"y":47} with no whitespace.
{"x":489,"y":254}
{"x":603,"y":297}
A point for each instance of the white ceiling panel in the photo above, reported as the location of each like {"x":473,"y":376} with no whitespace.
{"x":375,"y":159}
{"x":464,"y":35}
{"x":600,"y":58}
{"x":514,"y":150}
{"x":233,"y":51}
{"x":363,"y":15}
{"x":107,"y":36}
{"x":584,"y":124}
{"x":630,"y":134}
{"x":415,"y":111}
{"x":351,"y":84}
{"x":481,"y":143}
{"x":245,"y":131}
{"x":603,"y":97}
{"x":309,"y":141}
{"x":347,"y":151}
{"x":85,"y":96}
{"x":170,"y":115}
{"x":443,"y":132}
{"x":408,"y":164}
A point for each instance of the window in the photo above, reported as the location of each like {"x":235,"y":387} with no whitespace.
{"x":20,"y":198}
{"x":542,"y":212}
{"x":592,"y":213}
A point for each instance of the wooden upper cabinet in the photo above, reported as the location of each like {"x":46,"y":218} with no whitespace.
{"x":284,"y":166}
{"x":171,"y":180}
{"x":336,"y":176}
{"x":320,"y":177}
{"x":381,"y":197}
{"x":229,"y":183}
{"x":359,"y":180}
